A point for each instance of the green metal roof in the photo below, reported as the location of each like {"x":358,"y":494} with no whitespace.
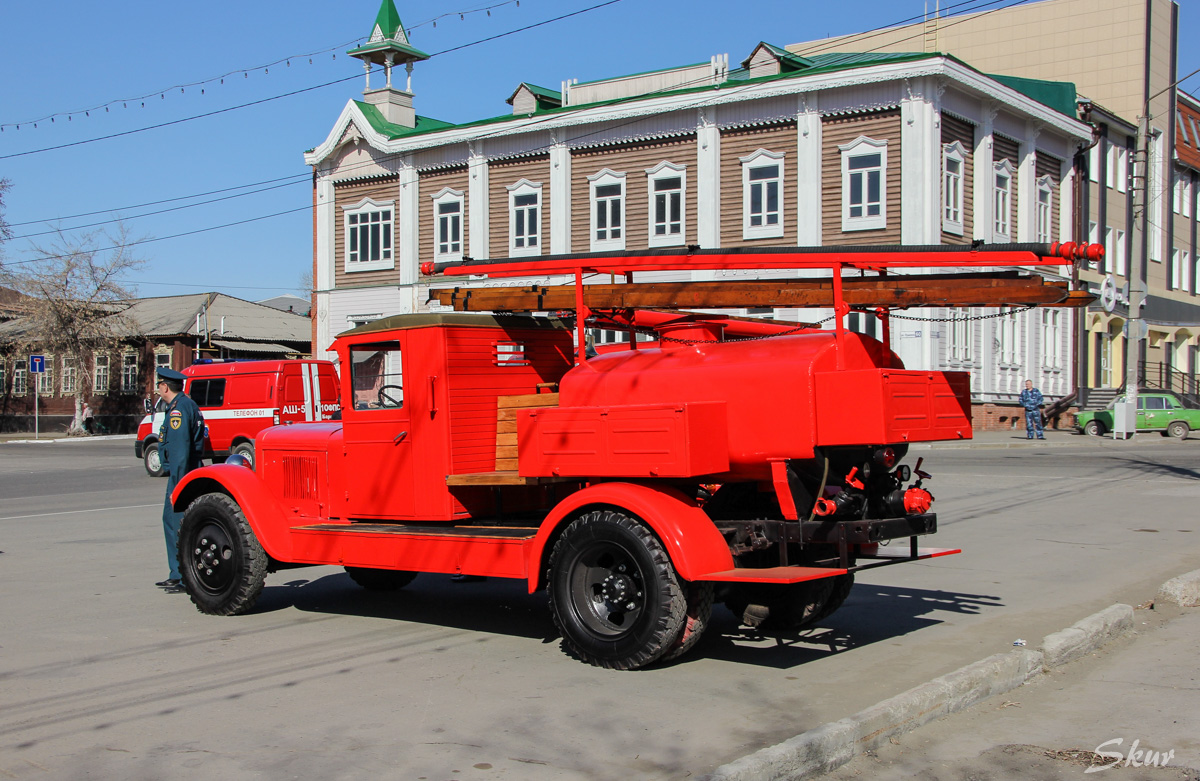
{"x":388,"y":35}
{"x":381,"y":125}
{"x":1058,"y":95}
{"x":787,"y":60}
{"x":546,"y":98}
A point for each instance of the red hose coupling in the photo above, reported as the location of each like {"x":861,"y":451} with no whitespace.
{"x":825,"y":507}
{"x":917,"y":501}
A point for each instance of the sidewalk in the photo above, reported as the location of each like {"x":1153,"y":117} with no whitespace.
{"x":1054,"y":438}
{"x":1142,"y":688}
{"x":53,"y":437}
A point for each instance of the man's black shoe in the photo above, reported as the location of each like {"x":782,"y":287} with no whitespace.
{"x":175,"y":589}
{"x":168,"y":583}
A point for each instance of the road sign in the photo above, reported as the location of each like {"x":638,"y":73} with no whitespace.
{"x":37,"y":364}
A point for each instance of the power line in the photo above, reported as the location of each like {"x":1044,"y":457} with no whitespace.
{"x":285,"y":61}
{"x":292,"y":93}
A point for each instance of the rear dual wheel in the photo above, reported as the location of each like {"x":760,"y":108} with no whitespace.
{"x":616,"y":598}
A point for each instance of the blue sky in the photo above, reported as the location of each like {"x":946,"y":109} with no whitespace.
{"x":133,"y":56}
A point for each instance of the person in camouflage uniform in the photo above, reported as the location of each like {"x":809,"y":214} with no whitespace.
{"x":1031,"y":400}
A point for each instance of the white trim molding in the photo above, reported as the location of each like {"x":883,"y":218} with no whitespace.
{"x":448,"y":224}
{"x":611,"y":234}
{"x":759,"y":186}
{"x":666,"y":186}
{"x":858,"y":216}
{"x":373,"y":223}
{"x":526,"y":214}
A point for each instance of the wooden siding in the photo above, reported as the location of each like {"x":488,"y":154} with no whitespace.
{"x":1007,"y":149}
{"x":632,"y":160}
{"x":382,"y":189}
{"x":736,"y":144}
{"x":503,"y":173}
{"x":1048,"y":165}
{"x":955,"y":129}
{"x":429,"y":185}
{"x":475,"y":382}
{"x":837,"y":131}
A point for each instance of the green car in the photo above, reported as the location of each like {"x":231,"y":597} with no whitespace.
{"x":1156,"y":411}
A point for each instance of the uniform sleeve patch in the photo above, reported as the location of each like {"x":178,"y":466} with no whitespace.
{"x":176,"y":419}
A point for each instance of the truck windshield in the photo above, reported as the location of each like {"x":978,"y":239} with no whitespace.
{"x":377,"y":375}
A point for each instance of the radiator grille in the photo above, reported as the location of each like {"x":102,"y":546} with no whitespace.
{"x":300,"y":477}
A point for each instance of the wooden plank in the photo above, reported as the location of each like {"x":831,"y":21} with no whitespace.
{"x":527,"y":401}
{"x":503,"y":477}
{"x":1002,"y":288}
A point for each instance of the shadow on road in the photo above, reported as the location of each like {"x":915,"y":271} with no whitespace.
{"x":871,"y":614}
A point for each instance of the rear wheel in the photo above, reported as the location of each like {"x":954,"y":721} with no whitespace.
{"x":614,"y":594}
{"x":246,"y":451}
{"x":837,"y":595}
{"x":380,"y":579}
{"x":699,"y":614}
{"x":1094,"y":428}
{"x":1178,"y":429}
{"x":152,"y":460}
{"x":222,"y":563}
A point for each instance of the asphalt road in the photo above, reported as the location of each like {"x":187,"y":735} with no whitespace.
{"x":104,"y":676}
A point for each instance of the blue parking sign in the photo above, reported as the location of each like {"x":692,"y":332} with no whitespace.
{"x":37,"y":364}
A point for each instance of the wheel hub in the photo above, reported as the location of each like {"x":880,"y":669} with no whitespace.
{"x":211,"y":555}
{"x":618,"y":592}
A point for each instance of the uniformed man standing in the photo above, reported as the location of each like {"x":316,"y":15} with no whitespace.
{"x":181,"y":443}
{"x":1031,"y":400}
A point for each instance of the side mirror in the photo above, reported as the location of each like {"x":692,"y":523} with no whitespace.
{"x":149,"y":407}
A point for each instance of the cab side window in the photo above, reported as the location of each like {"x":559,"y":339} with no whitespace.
{"x":207,"y":393}
{"x":376,"y":371}
{"x":1155,"y":402}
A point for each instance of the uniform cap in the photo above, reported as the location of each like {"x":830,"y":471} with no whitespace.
{"x":170,"y":374}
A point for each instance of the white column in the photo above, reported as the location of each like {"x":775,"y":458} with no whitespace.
{"x":920,"y":163}
{"x":708,"y":180}
{"x":323,"y":274}
{"x":808,"y":173}
{"x":1066,"y":202}
{"x":1027,"y":185}
{"x":984,"y":161}
{"x":560,"y":198}
{"x":407,"y":210}
{"x":477,"y":202}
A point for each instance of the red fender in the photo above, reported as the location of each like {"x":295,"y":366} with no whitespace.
{"x":266,"y":517}
{"x":692,"y":541}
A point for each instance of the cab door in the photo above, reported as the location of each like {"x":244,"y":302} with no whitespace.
{"x":376,"y":427}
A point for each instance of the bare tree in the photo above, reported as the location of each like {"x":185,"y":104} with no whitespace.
{"x":5,"y":230}
{"x":74,"y":301}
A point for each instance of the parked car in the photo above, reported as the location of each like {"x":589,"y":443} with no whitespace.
{"x":1156,"y":411}
{"x":240,"y":399}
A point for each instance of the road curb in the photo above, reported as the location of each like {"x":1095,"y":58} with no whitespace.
{"x":1183,"y":590}
{"x":832,"y":745}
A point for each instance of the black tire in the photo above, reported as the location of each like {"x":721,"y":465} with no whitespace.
{"x":1178,"y":429}
{"x":1094,"y":428}
{"x":613,"y":593}
{"x":779,"y":607}
{"x":841,"y":589}
{"x":246,"y":451}
{"x":699,"y":614}
{"x":152,"y":461}
{"x":221,"y":561}
{"x":380,"y":579}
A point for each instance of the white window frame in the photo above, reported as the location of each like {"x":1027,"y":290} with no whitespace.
{"x":1185,"y":271}
{"x":1043,"y":224}
{"x":952,"y":187}
{"x":606,"y":178}
{"x":101,"y":374}
{"x":444,"y":244}
{"x":1094,"y":164}
{"x":1119,"y":253}
{"x":1051,"y":339}
{"x":665,"y":171}
{"x":762,"y":159}
{"x":1002,"y":230}
{"x":962,"y":337}
{"x":20,"y":381}
{"x":387,"y":254}
{"x":1006,"y":326}
{"x":129,"y":379}
{"x":530,"y":241}
{"x":69,"y":377}
{"x":45,"y":380}
{"x":862,"y":147}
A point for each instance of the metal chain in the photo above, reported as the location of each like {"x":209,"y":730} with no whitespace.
{"x":962,"y":319}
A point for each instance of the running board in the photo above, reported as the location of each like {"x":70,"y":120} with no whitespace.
{"x":425,"y":530}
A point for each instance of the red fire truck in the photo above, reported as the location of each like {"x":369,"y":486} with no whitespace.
{"x":754,"y":462}
{"x":238,"y":399}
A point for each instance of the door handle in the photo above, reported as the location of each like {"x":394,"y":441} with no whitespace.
{"x":399,"y":437}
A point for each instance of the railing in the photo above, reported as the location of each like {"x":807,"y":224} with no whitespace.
{"x":1160,"y":376}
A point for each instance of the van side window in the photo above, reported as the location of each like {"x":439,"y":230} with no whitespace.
{"x":377,"y":376}
{"x":208,"y":393}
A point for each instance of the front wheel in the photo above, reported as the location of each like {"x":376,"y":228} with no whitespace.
{"x":614,"y":595}
{"x":222,"y":563}
{"x":1093,"y":428}
{"x":153,"y":461}
{"x":1178,"y":429}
